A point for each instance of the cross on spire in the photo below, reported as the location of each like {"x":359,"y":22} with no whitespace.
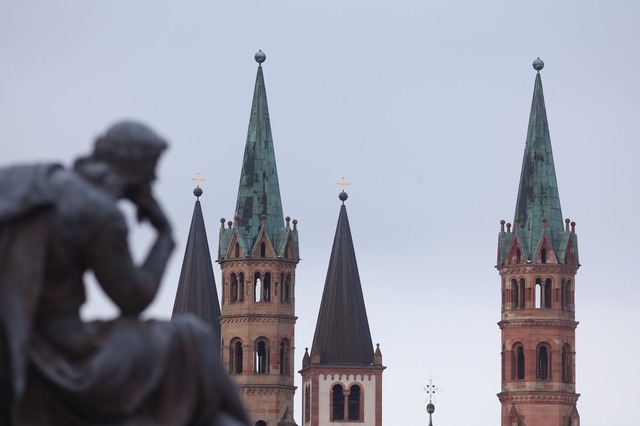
{"x":198,"y":179}
{"x":430,"y":389}
{"x":343,"y":183}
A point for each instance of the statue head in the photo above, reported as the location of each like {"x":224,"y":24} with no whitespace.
{"x":123,"y":161}
{"x":131,"y":149}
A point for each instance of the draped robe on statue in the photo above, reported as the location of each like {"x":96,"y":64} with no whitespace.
{"x":58,"y":370}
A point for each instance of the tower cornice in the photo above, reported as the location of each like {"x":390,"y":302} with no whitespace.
{"x":558,"y":323}
{"x":340,"y":369}
{"x":538,"y":268}
{"x":270,"y":318}
{"x":569,"y":398}
{"x":253,"y":261}
{"x":258,"y":389}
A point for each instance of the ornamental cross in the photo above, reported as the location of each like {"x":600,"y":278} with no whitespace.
{"x":198,"y":179}
{"x":343,"y":184}
{"x":430,"y":389}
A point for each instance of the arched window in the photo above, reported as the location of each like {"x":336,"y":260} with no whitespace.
{"x":521,"y":292}
{"x":261,"y":358}
{"x":284,"y":357}
{"x":281,"y":287}
{"x":503,"y":359}
{"x":266,"y":287}
{"x":514,"y":294}
{"x":257,"y":287}
{"x":569,"y":296}
{"x":236,"y":250}
{"x":337,"y":403}
{"x":563,"y":294}
{"x":547,"y":292}
{"x":241,"y":287}
{"x":287,"y":289}
{"x":261,"y":423}
{"x":235,"y":356}
{"x":538,"y":294}
{"x":543,"y":255}
{"x":233,"y":293}
{"x":517,"y":363}
{"x":307,"y":403}
{"x":543,"y":363}
{"x":518,"y":256}
{"x":354,"y":402}
{"x":263,"y":249}
{"x":566,"y":364}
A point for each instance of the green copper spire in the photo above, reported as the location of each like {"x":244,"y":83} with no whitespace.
{"x":538,"y":196}
{"x":259,"y":191}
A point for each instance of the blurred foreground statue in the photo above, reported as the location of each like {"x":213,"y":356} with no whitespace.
{"x":55,"y":369}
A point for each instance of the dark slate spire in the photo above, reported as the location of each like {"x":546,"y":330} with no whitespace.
{"x":259,"y":191}
{"x":342,"y":332}
{"x":197,"y":292}
{"x":538,"y":196}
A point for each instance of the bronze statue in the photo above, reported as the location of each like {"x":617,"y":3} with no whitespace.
{"x":55,"y":369}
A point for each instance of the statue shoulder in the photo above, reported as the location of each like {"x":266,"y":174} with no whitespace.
{"x":26,"y":187}
{"x":79,"y":199}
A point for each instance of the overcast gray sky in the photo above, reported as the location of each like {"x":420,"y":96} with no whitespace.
{"x":421,"y":105}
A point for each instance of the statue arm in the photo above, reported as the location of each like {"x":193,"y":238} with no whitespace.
{"x":130,"y":287}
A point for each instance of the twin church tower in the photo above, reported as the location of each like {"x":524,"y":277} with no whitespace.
{"x":342,"y":373}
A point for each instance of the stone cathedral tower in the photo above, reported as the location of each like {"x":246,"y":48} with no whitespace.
{"x":538,"y":261}
{"x":342,"y":378}
{"x":258,"y":254}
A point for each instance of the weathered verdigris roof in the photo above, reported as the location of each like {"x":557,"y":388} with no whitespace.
{"x":259,"y":191}
{"x":197,"y":292}
{"x":538,"y":211}
{"x":342,"y":333}
{"x":538,"y":196}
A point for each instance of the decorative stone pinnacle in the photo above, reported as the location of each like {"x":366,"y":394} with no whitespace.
{"x":538,"y":64}
{"x":260,"y":57}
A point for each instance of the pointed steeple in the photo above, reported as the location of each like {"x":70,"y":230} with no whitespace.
{"x":342,"y":333}
{"x":259,"y":191}
{"x":538,"y":196}
{"x":197,"y":292}
{"x":537,"y":263}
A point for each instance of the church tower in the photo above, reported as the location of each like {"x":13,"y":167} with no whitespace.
{"x":197,"y":292}
{"x":342,"y":378}
{"x":258,"y":254}
{"x":538,"y":261}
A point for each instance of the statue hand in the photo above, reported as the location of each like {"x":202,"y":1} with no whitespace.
{"x":149,"y":208}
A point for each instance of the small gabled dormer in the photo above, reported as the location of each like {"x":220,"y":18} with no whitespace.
{"x":544,"y":252}
{"x":263,"y":247}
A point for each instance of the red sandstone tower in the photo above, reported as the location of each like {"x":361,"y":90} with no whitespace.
{"x":342,"y":378}
{"x":538,"y":261}
{"x":258,"y":254}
